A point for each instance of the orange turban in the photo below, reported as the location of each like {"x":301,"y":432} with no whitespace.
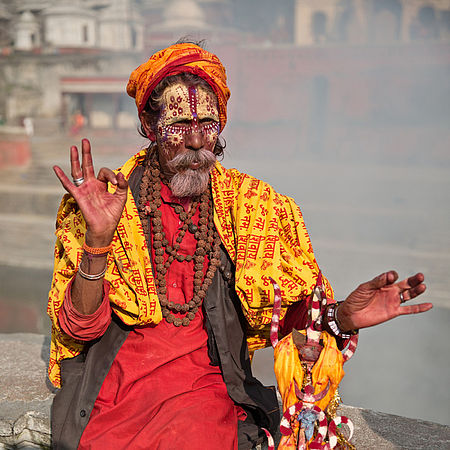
{"x":176,"y":59}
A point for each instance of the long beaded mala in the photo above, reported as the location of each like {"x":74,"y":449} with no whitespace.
{"x":208,"y":242}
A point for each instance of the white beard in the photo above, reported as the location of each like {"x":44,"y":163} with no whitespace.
{"x":189,"y":182}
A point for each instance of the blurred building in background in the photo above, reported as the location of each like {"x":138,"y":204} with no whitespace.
{"x":340,"y":61}
{"x":59,"y":57}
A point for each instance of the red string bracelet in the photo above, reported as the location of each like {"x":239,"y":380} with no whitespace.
{"x":97,"y":250}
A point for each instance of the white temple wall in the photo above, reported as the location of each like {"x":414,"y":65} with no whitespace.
{"x":115,"y":35}
{"x":386,"y":26}
{"x":50,"y":105}
{"x":304,"y":13}
{"x":65,"y":31}
{"x":26,"y":33}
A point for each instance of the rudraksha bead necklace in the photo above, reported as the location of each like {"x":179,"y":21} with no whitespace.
{"x":208,"y":242}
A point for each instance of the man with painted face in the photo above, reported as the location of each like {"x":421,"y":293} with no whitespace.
{"x":162,"y":279}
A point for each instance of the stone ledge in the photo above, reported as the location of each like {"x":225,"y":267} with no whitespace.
{"x":25,"y":393}
{"x":377,"y":430}
{"x":29,"y":431}
{"x":26,"y":396}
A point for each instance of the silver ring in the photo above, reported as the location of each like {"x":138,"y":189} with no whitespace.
{"x":78,"y":181}
{"x":402,"y":299}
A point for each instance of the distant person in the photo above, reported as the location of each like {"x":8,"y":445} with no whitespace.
{"x":78,"y":122}
{"x":28,"y":125}
{"x":163,"y":284}
{"x":63,"y":115}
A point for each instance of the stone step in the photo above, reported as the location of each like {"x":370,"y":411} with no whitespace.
{"x":47,"y":126}
{"x":27,"y":240}
{"x":23,"y":299}
{"x":30,"y":200}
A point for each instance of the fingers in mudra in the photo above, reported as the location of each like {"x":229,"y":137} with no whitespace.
{"x":75,"y":167}
{"x":106,"y":175}
{"x":390,"y":277}
{"x":80,"y":172}
{"x":90,"y":192}
{"x":86,"y":169}
{"x":412,"y":293}
{"x":380,"y":281}
{"x":405,"y":309}
{"x":86,"y":159}
{"x":412,"y":287}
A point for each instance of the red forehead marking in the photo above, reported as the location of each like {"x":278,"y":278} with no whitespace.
{"x":193,"y":102}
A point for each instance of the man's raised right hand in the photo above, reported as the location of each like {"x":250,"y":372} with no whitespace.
{"x":101,"y":209}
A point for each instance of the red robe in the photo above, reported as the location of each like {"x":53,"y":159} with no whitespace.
{"x":161,"y":391}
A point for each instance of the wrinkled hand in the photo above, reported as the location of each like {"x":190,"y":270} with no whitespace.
{"x":101,"y":209}
{"x":378,"y":301}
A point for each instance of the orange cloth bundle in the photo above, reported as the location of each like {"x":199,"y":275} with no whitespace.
{"x":289,"y":371}
{"x":176,"y":59}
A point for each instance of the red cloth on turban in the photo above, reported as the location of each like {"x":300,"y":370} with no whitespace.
{"x":177,"y":59}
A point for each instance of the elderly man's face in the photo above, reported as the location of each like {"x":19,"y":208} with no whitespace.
{"x":186,"y":133}
{"x":189,"y":119}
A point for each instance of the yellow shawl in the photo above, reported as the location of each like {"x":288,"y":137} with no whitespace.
{"x":262,"y":231}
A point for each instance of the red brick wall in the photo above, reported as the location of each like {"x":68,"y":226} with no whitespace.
{"x":15,"y":150}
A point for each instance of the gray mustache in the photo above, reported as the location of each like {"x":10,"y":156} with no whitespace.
{"x":181,"y":162}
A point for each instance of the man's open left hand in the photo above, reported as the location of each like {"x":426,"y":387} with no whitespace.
{"x":380,"y":300}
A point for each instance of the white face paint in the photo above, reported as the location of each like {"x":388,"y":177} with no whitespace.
{"x":185,"y":111}
{"x":187,"y":131}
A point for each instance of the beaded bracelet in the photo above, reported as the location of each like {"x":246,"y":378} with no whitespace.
{"x":93,"y":277}
{"x":97,"y":250}
{"x":333,"y":322}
